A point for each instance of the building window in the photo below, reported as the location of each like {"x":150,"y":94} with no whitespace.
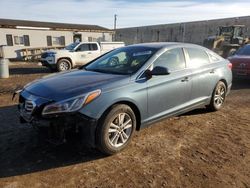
{"x":49,"y":41}
{"x":9,"y":40}
{"x":19,"y":40}
{"x":55,"y":41}
{"x":62,"y":40}
{"x":26,"y":40}
{"x":58,"y":41}
{"x":90,"y":39}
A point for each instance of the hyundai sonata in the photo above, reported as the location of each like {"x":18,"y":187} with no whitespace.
{"x":126,"y":90}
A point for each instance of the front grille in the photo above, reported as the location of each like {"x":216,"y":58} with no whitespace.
{"x":44,"y":55}
{"x":29,"y":106}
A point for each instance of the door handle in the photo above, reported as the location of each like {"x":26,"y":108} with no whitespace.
{"x":212,"y":71}
{"x":185,"y":79}
{"x":89,"y":53}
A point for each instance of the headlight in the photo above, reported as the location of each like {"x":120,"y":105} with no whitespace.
{"x":72,"y":104}
{"x":49,"y":54}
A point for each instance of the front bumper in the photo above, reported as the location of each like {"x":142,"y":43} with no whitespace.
{"x":58,"y":123}
{"x":48,"y":62}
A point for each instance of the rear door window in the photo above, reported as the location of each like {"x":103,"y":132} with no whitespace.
{"x":172,"y":59}
{"x":198,"y":57}
{"x":93,"y":47}
{"x":87,"y":47}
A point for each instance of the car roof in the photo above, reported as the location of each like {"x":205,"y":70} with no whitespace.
{"x":160,"y":45}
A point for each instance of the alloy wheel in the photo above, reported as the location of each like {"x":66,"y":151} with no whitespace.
{"x":219,"y":96}
{"x":64,"y":66}
{"x":120,"y":129}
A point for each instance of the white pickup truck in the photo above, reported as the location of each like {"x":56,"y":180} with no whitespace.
{"x":76,"y":54}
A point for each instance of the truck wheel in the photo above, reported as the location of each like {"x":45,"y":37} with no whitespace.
{"x":63,"y":65}
{"x":115,"y":130}
{"x":218,"y":97}
{"x":231,"y":52}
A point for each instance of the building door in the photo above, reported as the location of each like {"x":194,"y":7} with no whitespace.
{"x":77,"y":38}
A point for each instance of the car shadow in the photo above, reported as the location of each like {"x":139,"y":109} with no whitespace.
{"x":28,"y":70}
{"x":23,"y":152}
{"x":197,"y":111}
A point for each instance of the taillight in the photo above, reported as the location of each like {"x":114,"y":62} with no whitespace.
{"x":230,"y":65}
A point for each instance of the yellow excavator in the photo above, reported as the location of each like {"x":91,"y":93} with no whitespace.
{"x":228,"y":40}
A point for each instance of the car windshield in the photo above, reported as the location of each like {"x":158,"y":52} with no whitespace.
{"x":71,"y":46}
{"x":244,"y":50}
{"x":126,"y":60}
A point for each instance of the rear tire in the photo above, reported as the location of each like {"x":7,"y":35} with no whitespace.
{"x":115,"y":129}
{"x":231,"y":52}
{"x":218,"y":97}
{"x":63,"y":65}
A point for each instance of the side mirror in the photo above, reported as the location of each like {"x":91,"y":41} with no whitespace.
{"x":148,"y":74}
{"x":160,"y":71}
{"x":156,"y":71}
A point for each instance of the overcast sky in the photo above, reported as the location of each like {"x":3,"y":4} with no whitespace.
{"x":131,"y":13}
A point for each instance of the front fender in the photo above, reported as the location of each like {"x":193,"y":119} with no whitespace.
{"x":68,"y":56}
{"x":137,"y":97}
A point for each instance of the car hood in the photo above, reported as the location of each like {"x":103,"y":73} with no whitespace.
{"x":76,"y":82}
{"x":57,"y":51}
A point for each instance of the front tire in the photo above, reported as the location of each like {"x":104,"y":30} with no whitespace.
{"x":63,"y":65}
{"x":115,"y":129}
{"x":218,"y":97}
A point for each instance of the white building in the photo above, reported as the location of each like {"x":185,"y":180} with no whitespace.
{"x":16,"y":35}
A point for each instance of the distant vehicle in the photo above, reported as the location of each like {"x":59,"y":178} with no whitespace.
{"x":241,"y":62}
{"x":126,"y":90}
{"x":228,"y":40}
{"x":76,"y":54}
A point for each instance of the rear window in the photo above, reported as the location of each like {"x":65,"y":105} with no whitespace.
{"x":198,"y":57}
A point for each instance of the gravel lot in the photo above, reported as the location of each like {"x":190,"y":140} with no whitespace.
{"x":198,"y":149}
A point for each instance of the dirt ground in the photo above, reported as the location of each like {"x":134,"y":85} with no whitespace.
{"x":198,"y":149}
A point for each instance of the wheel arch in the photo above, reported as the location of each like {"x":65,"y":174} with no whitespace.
{"x":220,"y":80}
{"x":67,"y":58}
{"x":132,"y":106}
{"x":224,"y":81}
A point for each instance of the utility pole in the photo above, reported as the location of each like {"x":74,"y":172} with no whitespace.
{"x":115,"y":19}
{"x":184,"y":32}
